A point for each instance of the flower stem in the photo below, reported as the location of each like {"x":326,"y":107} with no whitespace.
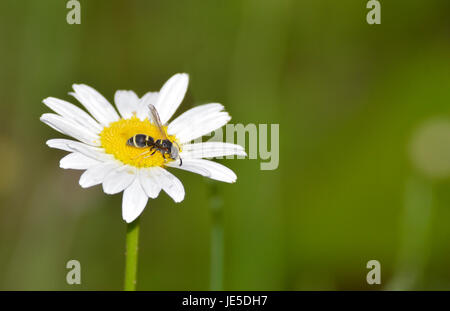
{"x":131,"y":255}
{"x":217,"y":241}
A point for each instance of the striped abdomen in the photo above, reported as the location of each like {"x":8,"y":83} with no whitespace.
{"x":140,"y":141}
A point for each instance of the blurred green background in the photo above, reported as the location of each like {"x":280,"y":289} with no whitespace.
{"x":364,"y":114}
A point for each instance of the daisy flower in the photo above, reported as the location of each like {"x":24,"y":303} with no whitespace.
{"x":100,"y":147}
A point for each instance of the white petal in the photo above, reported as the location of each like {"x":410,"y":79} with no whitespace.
{"x":149,"y":183}
{"x":60,"y":143}
{"x":72,"y":112}
{"x":147,"y":99}
{"x":193,"y":131}
{"x":77,"y":161}
{"x":95,"y":103}
{"x":119,"y":179}
{"x":90,"y":151}
{"x":96,"y":174}
{"x":193,"y":125}
{"x":70,"y":128}
{"x":206,"y":168}
{"x":198,"y":112}
{"x":133,"y":202}
{"x":76,"y":146}
{"x":169,"y":183}
{"x":127,"y":102}
{"x":171,"y":95}
{"x":211,"y":149}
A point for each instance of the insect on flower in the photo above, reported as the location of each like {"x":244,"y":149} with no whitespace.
{"x":165,"y":146}
{"x":109,"y":145}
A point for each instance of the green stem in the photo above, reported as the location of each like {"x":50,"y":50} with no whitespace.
{"x":217,"y":241}
{"x":131,"y":255}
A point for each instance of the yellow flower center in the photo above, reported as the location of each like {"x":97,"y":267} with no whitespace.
{"x":114,"y":140}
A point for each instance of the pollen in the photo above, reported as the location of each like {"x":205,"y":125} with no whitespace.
{"x":114,"y":140}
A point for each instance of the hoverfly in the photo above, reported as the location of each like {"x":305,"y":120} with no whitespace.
{"x":164,"y":145}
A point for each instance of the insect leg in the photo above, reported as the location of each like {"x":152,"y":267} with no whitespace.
{"x":151,"y":154}
{"x":145,"y":152}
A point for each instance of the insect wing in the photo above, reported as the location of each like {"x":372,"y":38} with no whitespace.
{"x":155,"y":119}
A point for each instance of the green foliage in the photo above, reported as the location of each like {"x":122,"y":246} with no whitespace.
{"x":348,"y":97}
